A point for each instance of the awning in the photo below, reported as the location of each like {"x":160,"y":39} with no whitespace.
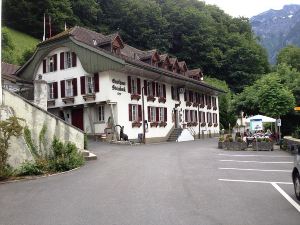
{"x":264,"y":119}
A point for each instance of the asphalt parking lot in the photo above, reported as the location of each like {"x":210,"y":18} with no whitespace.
{"x":187,"y":183}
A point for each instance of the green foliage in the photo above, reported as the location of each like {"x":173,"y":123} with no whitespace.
{"x":30,"y":142}
{"x":85,"y":141}
{"x":8,"y":128}
{"x":29,"y":168}
{"x":8,"y":47}
{"x":290,"y":55}
{"x":65,"y":156}
{"x":43,"y":141}
{"x":296,"y":133}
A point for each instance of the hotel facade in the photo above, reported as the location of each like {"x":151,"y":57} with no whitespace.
{"x":96,"y":82}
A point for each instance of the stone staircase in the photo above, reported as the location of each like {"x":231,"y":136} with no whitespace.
{"x":175,"y":134}
{"x":88,"y":156}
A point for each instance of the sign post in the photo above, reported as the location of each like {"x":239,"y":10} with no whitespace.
{"x":278,"y":122}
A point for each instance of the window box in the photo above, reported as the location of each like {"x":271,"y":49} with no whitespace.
{"x":135,"y":97}
{"x":162,"y":124}
{"x":68,"y":100}
{"x":195,"y":104}
{"x":151,"y":99}
{"x":51,"y":102}
{"x":208,"y":106}
{"x":136,"y":124}
{"x":201,"y":105}
{"x":89,"y":97}
{"x":178,"y":104}
{"x":189,"y":103}
{"x":203,"y":124}
{"x":162,"y":99}
{"x":215,"y":125}
{"x":215,"y":108}
{"x":153,"y":124}
{"x":209,"y":124}
{"x":194,"y":124}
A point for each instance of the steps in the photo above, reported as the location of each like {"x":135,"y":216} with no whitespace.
{"x":88,"y":156}
{"x":175,"y":134}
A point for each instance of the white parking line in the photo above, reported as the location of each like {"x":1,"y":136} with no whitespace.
{"x":271,"y":156}
{"x":284,"y":171}
{"x":230,"y":160}
{"x":255,"y":181}
{"x":287,"y":197}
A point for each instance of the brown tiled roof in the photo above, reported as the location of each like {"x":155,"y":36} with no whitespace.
{"x":173,"y":60}
{"x":163,"y":57}
{"x":194,"y":72}
{"x":182,"y":64}
{"x":8,"y":69}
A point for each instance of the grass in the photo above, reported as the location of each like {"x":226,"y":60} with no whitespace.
{"x":21,"y":41}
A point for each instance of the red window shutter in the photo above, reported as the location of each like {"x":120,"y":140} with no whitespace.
{"x":186,"y":115}
{"x":62,"y":89}
{"x":74,"y":59}
{"x":139,"y":86}
{"x":191,"y":116}
{"x":196,"y":115}
{"x":139,"y":112}
{"x":129,"y":84}
{"x":74,"y":83}
{"x":145,"y":88}
{"x":62,"y":60}
{"x":153,"y":89}
{"x":165,"y":114}
{"x":185,"y":95}
{"x":130,"y":112}
{"x":96,"y":82}
{"x":55,"y":62}
{"x":55,"y":89}
{"x":191,"y":96}
{"x":44,"y":66}
{"x":156,"y":92}
{"x":82,"y":85}
{"x":204,"y":117}
{"x":149,"y":116}
{"x":177,"y":93}
{"x":164,"y":90}
{"x":157,"y":114}
{"x":172,"y":92}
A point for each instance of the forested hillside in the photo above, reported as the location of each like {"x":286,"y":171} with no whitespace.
{"x":202,"y":35}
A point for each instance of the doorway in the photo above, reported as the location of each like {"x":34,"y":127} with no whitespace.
{"x":77,"y":118}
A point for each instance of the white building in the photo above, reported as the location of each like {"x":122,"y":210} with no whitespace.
{"x":96,"y":82}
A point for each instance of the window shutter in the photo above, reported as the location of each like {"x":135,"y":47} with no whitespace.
{"x":204,"y":117}
{"x":185,"y":95}
{"x":74,"y":83}
{"x":191,"y":96}
{"x":153,"y":89}
{"x":129,"y":84}
{"x":139,"y":86}
{"x":196,"y":116}
{"x":139,"y":112}
{"x":82,"y":85}
{"x":149,"y":116}
{"x":44,"y":66}
{"x":96,"y":82}
{"x":145,"y":88}
{"x":191,"y":116}
{"x":55,"y":62}
{"x":177,"y":93}
{"x":62,"y":60}
{"x":74,"y":59}
{"x":156,"y":92}
{"x":55,"y":89}
{"x":165,"y":114}
{"x":185,"y":115}
{"x":172,"y":92}
{"x":130,"y":112}
{"x":157,"y":114}
{"x":164,"y":90}
{"x":62,"y":89}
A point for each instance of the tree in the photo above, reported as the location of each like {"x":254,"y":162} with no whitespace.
{"x":290,"y":55}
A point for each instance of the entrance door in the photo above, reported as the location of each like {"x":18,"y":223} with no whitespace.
{"x":77,"y":118}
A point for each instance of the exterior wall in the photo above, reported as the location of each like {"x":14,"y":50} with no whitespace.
{"x":118,"y":100}
{"x":35,"y":118}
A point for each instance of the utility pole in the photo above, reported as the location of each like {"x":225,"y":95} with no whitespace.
{"x":143,"y":115}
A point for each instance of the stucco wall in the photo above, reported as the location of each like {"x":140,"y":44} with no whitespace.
{"x":36,"y":117}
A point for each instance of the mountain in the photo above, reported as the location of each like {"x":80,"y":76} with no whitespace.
{"x":277,"y":29}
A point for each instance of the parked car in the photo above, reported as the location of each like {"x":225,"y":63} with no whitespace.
{"x":296,"y":173}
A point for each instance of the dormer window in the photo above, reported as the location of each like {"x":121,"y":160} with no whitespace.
{"x":94,"y":42}
{"x":68,"y":60}
{"x":116,"y":50}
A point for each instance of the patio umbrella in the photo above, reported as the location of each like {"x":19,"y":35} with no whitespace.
{"x":264,"y":119}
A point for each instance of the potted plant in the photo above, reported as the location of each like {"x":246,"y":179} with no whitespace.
{"x":221,"y":142}
{"x":209,"y":124}
{"x":195,"y":104}
{"x":151,"y":98}
{"x":162,"y":99}
{"x":135,"y":97}
{"x":154,"y":124}
{"x":136,"y":124}
{"x":203,"y":124}
{"x":189,"y":104}
{"x":262,"y":144}
{"x":162,"y":124}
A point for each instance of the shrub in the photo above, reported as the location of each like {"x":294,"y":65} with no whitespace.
{"x":29,"y":168}
{"x":221,"y":139}
{"x":239,"y":140}
{"x":85,"y":141}
{"x":296,"y":133}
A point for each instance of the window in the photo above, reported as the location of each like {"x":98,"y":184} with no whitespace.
{"x":187,"y":116}
{"x":150,"y":90}
{"x":90,"y":85}
{"x":161,"y":114}
{"x":134,"y":86}
{"x":51,"y":91}
{"x":160,"y":90}
{"x":68,"y":60}
{"x":51,"y":64}
{"x":209,"y":119}
{"x":134,"y":112}
{"x":202,"y":117}
{"x":69,"y":88}
{"x":152,"y":114}
{"x":101,"y":111}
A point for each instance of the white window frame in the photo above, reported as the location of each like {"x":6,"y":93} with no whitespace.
{"x":101,"y":113}
{"x":161,"y":117}
{"x":50,"y":91}
{"x":134,"y":112}
{"x":89,"y":84}
{"x":134,"y":88}
{"x":150,"y":90}
{"x":69,"y":88}
{"x":152,"y":114}
{"x":160,"y":92}
{"x":50,"y":64}
{"x":68,"y":59}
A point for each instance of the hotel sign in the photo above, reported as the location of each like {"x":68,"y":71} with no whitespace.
{"x":118,"y":85}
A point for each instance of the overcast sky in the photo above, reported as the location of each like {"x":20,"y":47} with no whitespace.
{"x":249,"y":8}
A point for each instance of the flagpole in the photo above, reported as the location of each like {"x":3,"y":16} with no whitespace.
{"x":44,"y":37}
{"x":50,"y":27}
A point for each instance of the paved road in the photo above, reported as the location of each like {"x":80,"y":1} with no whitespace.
{"x":159,"y":184}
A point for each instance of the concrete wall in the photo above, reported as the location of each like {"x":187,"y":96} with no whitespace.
{"x":35,"y":118}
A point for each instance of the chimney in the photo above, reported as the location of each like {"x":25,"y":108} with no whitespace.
{"x":40,"y":93}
